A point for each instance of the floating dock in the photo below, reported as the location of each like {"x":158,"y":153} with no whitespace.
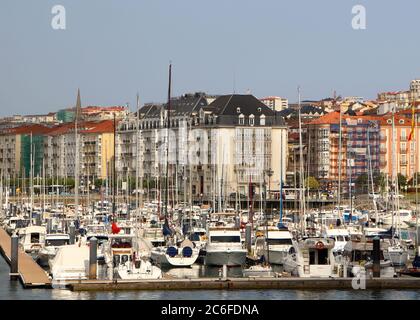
{"x":244,"y":284}
{"x":30,"y":273}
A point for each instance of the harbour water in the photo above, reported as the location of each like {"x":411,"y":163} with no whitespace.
{"x":12,"y":290}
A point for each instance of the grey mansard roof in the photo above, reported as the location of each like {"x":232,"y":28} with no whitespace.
{"x":247,"y":104}
{"x":224,"y":109}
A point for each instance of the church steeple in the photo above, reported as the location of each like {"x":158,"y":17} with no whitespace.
{"x":78,"y":115}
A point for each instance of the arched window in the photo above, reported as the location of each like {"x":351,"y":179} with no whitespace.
{"x":251,"y":120}
{"x":262,"y":120}
{"x":241,"y":119}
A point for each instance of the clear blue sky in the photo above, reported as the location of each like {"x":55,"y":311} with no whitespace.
{"x":113,"y":49}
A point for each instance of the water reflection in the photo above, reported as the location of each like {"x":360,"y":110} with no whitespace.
{"x":12,"y":290}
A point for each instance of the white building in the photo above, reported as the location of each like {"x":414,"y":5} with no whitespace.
{"x":215,"y":149}
{"x":275,"y":103}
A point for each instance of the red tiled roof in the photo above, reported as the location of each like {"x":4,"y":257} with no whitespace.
{"x":105,"y":126}
{"x":334,"y":118}
{"x":388,"y":116}
{"x":35,"y":129}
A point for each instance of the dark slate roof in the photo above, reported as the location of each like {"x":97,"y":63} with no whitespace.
{"x":183,"y":105}
{"x":248,"y":104}
{"x":305,"y":110}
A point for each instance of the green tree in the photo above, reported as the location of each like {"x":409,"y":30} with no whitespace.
{"x":312,"y":183}
{"x":361,"y":182}
{"x":402,"y":181}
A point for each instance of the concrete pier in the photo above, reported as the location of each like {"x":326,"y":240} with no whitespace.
{"x":242,"y":284}
{"x":29,"y":272}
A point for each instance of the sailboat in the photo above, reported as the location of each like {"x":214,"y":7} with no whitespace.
{"x":397,"y":253}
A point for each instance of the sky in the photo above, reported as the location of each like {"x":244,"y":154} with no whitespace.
{"x":112,"y":49}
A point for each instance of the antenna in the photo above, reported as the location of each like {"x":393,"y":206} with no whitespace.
{"x":234,"y":80}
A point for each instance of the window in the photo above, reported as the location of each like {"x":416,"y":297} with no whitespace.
{"x":241,"y":119}
{"x":238,"y":110}
{"x":226,"y":239}
{"x":251,"y":120}
{"x":262,"y":120}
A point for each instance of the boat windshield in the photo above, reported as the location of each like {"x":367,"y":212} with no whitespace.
{"x":56,"y":242}
{"x":225,"y":239}
{"x":279,"y":241}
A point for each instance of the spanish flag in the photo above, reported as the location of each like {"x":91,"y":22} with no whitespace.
{"x":413,"y":121}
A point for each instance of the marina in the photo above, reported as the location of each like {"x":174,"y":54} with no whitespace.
{"x":125,"y":237}
{"x":169,"y":150}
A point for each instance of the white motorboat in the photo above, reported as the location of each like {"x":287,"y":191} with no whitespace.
{"x":52,"y":243}
{"x":224,"y":247}
{"x":340,"y":237}
{"x":70,"y":263}
{"x":258,"y":271}
{"x":139,"y":269}
{"x":397,"y":254}
{"x":122,"y":259}
{"x":32,"y":239}
{"x":313,"y":257}
{"x":279,"y":242}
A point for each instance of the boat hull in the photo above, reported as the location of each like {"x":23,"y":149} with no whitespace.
{"x":276,"y":256}
{"x":229,"y":258}
{"x":161,"y":258}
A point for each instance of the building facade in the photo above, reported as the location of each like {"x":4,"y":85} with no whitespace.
{"x":211,"y":149}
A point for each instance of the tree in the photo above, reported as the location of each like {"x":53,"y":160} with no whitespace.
{"x":415,"y":179}
{"x":361,"y":182}
{"x":312,"y":183}
{"x":402,"y":181}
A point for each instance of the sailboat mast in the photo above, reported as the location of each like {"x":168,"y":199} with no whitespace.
{"x":114,"y":173}
{"x":301,"y":190}
{"x":76,"y":173}
{"x":339,"y":162}
{"x":167,"y":142}
{"x":394,"y":170}
{"x":31,"y":176}
{"x":137,"y":152}
{"x":416,"y":182}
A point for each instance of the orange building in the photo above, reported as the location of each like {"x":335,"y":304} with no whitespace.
{"x":406,"y":159}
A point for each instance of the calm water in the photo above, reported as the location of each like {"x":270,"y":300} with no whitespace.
{"x":12,"y":290}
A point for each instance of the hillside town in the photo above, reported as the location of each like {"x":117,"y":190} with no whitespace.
{"x":233,"y":124}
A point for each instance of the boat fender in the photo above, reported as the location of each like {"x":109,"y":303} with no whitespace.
{"x":187,"y":252}
{"x":172,"y":252}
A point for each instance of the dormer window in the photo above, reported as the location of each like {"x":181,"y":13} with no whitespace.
{"x":262,"y":120}
{"x":241,"y":119}
{"x":259,"y":109}
{"x":251,"y":120}
{"x":238,"y":110}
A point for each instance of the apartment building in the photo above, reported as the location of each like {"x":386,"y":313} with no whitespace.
{"x":215,"y":148}
{"x":359,"y":147}
{"x":396,"y":151}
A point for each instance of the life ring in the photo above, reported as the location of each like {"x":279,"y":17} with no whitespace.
{"x":319,"y":245}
